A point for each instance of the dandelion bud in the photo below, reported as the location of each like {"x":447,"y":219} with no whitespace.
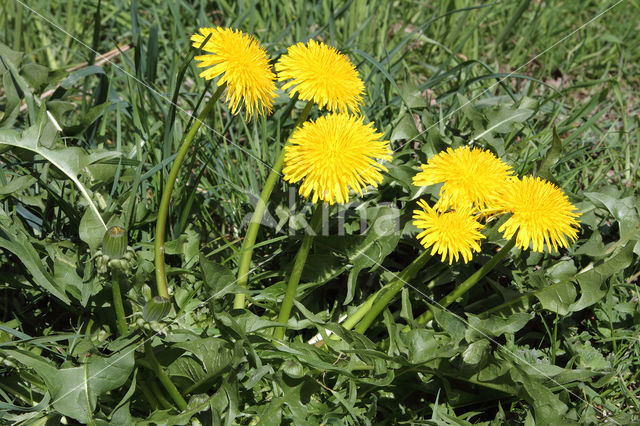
{"x":114,"y":243}
{"x":156,"y":309}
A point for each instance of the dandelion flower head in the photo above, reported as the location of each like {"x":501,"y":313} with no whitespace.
{"x":321,"y":74}
{"x":242,"y":63}
{"x":333,"y":154}
{"x":468,"y":176}
{"x":540,"y":214}
{"x":453,"y":233}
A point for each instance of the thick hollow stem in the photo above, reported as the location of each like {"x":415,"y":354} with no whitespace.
{"x":256,"y":218}
{"x":166,"y":382}
{"x":296,"y":272}
{"x":370,"y":310}
{"x":163,"y":211}
{"x":121,"y":322}
{"x":470,"y":282}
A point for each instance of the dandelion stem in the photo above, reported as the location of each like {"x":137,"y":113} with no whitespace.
{"x":296,"y":272}
{"x":163,"y":211}
{"x":470,"y":282}
{"x":166,"y":382}
{"x":258,"y":214}
{"x":121,"y":323}
{"x":376,"y":303}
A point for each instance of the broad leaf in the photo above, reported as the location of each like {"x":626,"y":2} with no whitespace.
{"x":75,"y":391}
{"x":68,"y":160}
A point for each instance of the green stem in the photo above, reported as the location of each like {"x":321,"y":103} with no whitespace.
{"x":160,"y":396}
{"x":166,"y":382}
{"x":296,"y":272}
{"x":470,"y":282}
{"x":254,"y":225}
{"x":149,"y":396}
{"x":376,"y":303}
{"x":163,"y":211}
{"x":121,"y":322}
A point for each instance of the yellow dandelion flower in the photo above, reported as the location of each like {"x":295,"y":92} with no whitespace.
{"x":469,"y":176}
{"x":453,"y":233}
{"x":333,"y":154}
{"x":321,"y":74}
{"x":242,"y":64}
{"x":541,"y":214}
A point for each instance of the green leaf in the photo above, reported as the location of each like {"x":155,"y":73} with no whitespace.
{"x":14,"y":239}
{"x":405,"y":130}
{"x":558,"y":298}
{"x":65,"y":271}
{"x":12,"y":56}
{"x":622,"y":209}
{"x":551,"y":158}
{"x":16,"y":185}
{"x":68,"y":160}
{"x":502,"y":120}
{"x":36,"y":75}
{"x":450,"y":323}
{"x":217,"y":277}
{"x":75,"y":390}
{"x":421,"y":345}
{"x":495,"y":326}
{"x":80,"y":74}
{"x":214,"y":353}
{"x":589,"y":357}
{"x":87,"y":119}
{"x":591,"y":281}
{"x":91,"y":229}
{"x":477,"y":353}
{"x":381,"y":239}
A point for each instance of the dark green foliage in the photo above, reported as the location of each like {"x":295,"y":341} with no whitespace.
{"x":86,"y":144}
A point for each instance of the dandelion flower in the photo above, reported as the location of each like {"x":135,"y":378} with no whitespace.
{"x":242,"y":64}
{"x":321,"y":74}
{"x":541,"y":214}
{"x":333,"y":154}
{"x":468,"y":175}
{"x":453,"y":233}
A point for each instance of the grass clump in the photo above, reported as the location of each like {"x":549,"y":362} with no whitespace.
{"x":101,"y":119}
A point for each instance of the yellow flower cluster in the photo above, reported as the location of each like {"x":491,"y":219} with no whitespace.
{"x":476,"y":183}
{"x":338,"y":153}
{"x":333,"y":155}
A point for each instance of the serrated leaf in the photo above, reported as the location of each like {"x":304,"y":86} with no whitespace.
{"x":75,"y":391}
{"x":66,"y":160}
{"x":591,"y":281}
{"x":622,"y":209}
{"x":14,"y":239}
{"x":215,"y":354}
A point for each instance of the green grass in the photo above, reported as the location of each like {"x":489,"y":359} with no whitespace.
{"x":541,"y":338}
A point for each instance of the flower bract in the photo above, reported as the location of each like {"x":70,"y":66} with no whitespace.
{"x":540,"y":214}
{"x":321,"y":74}
{"x":468,"y":176}
{"x":242,"y":64}
{"x":452,"y":233}
{"x":334,"y":154}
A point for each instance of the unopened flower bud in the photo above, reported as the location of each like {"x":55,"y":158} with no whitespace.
{"x":114,"y":243}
